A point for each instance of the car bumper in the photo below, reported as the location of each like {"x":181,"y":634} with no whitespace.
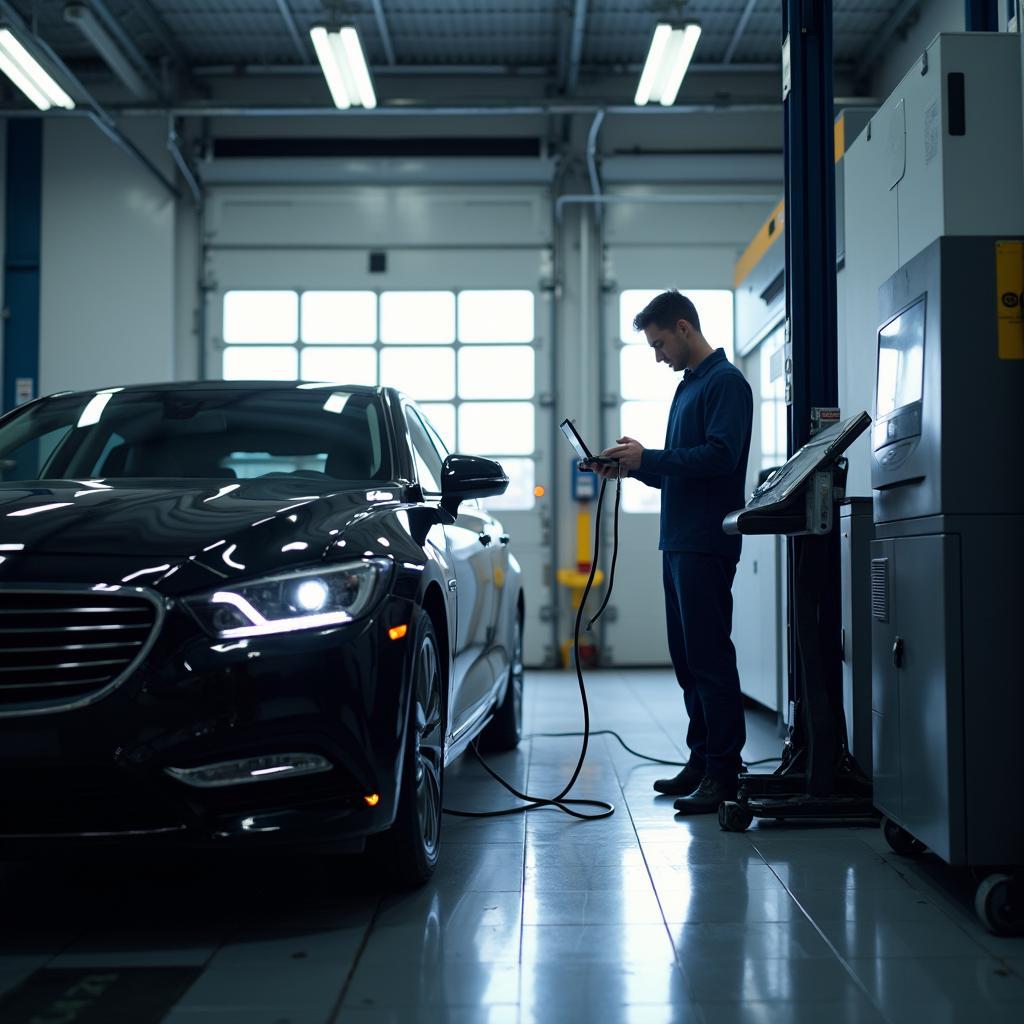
{"x":97,"y":774}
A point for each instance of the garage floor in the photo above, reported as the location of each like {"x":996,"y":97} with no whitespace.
{"x":639,"y":918}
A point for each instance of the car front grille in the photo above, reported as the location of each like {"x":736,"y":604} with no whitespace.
{"x":59,"y":648}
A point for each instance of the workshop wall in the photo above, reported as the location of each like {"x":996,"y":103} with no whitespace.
{"x":108,"y":274}
{"x":906,"y":45}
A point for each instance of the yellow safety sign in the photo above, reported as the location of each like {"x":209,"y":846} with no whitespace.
{"x":1010,"y":299}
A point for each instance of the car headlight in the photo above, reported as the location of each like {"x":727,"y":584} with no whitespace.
{"x":306,"y":599}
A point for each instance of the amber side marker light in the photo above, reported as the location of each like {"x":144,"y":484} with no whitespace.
{"x":538,"y":491}
{"x":372,"y":799}
{"x":397,"y":632}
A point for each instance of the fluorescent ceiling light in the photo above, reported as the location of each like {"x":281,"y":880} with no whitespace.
{"x":28,"y":75}
{"x":106,"y":46}
{"x":344,"y":66}
{"x":671,"y":51}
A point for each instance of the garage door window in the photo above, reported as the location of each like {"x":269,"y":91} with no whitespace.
{"x":646,"y":387}
{"x":466,"y":357}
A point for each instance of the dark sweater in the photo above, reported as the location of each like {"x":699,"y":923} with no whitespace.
{"x":702,"y":468}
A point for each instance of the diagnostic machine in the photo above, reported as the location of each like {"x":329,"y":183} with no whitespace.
{"x":947,"y":603}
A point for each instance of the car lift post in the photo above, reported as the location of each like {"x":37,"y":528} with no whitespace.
{"x":817,"y":778}
{"x":812,"y":362}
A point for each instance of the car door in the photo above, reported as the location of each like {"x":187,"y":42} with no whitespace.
{"x":470,"y":541}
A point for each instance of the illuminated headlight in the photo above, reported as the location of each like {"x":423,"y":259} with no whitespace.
{"x":308,"y":599}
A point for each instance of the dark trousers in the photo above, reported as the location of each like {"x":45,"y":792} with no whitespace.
{"x":698,"y":610}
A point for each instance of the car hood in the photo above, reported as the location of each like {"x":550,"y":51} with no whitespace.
{"x":144,"y":533}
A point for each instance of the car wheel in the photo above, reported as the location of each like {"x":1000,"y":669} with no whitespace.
{"x":506,"y":727}
{"x":413,"y":841}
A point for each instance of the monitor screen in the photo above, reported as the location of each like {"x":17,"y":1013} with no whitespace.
{"x":901,"y":360}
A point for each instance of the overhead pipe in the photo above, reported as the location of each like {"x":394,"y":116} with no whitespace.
{"x":595,"y":178}
{"x":517,"y":110}
{"x":181,"y":162}
{"x":95,"y":113}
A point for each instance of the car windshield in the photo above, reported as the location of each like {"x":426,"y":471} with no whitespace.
{"x":305,"y":431}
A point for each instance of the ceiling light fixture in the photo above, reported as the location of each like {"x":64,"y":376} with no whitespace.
{"x":669,"y":56}
{"x":344,"y":66}
{"x":28,"y":74}
{"x":85,"y":20}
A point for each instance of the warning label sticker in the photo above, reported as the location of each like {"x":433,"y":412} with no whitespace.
{"x":1010,"y":299}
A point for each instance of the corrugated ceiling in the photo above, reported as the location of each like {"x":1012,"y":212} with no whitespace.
{"x":532,"y":33}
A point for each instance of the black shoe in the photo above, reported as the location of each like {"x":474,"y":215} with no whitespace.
{"x":682,"y":784}
{"x":707,"y":796}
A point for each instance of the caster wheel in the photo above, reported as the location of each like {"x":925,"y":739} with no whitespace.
{"x":994,"y":904}
{"x":734,"y":817}
{"x":900,"y":840}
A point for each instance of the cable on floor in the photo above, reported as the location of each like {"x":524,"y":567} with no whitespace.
{"x":562,"y":800}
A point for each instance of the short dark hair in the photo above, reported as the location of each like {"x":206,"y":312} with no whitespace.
{"x":665,"y":311}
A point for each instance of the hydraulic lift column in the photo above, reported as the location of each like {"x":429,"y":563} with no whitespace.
{"x":815,"y":671}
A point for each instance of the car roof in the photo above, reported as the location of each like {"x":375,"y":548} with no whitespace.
{"x":232,"y":385}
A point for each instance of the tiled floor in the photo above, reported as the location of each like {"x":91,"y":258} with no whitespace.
{"x":639,"y":918}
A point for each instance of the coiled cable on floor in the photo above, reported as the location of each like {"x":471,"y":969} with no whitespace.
{"x":562,"y":800}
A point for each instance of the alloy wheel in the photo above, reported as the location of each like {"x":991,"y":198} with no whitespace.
{"x":516,"y":681}
{"x":428,"y":745}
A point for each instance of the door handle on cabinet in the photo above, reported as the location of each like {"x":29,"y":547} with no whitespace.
{"x":484,"y":538}
{"x":897,"y":652}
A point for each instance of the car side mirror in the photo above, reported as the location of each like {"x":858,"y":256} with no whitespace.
{"x":469,"y":476}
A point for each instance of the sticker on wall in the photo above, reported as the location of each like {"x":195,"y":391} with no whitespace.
{"x":1010,"y":299}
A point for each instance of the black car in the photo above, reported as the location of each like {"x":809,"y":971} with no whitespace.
{"x":246,"y":615}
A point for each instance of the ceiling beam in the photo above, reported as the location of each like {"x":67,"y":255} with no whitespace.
{"x":288,"y":17}
{"x":579,"y":23}
{"x":895,"y":22}
{"x":741,"y":27}
{"x":385,"y":33}
{"x":127,"y":45}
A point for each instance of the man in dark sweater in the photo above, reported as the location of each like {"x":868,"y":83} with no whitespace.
{"x":701,"y":472}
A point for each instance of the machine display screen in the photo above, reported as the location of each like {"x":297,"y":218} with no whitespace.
{"x":901,"y":360}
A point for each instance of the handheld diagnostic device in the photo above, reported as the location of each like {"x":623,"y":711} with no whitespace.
{"x":587,"y":460}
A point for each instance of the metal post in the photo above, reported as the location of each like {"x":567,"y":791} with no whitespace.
{"x":812,"y":378}
{"x":981,"y":15}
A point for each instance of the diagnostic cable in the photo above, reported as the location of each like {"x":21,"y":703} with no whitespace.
{"x":562,"y":801}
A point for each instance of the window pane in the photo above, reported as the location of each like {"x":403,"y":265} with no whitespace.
{"x":714,"y":309}
{"x":489,"y":316}
{"x":417,"y":318}
{"x":344,"y":365}
{"x":641,"y":377}
{"x":442,"y":418}
{"x":505,"y":372}
{"x":339,"y":316}
{"x":428,"y":460}
{"x":505,"y":428}
{"x":631,"y":302}
{"x":278,"y":363}
{"x":522,"y":474}
{"x":422,"y":373}
{"x":261,"y":317}
{"x":646,"y":421}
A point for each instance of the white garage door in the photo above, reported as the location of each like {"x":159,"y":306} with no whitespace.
{"x":460,"y":327}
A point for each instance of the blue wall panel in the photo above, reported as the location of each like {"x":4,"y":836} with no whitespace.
{"x":21,"y":256}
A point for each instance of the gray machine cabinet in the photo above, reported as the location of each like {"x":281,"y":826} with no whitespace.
{"x":917,"y":698}
{"x":856,"y":530}
{"x":946,"y":721}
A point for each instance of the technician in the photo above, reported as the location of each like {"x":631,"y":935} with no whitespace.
{"x":701,"y":473}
